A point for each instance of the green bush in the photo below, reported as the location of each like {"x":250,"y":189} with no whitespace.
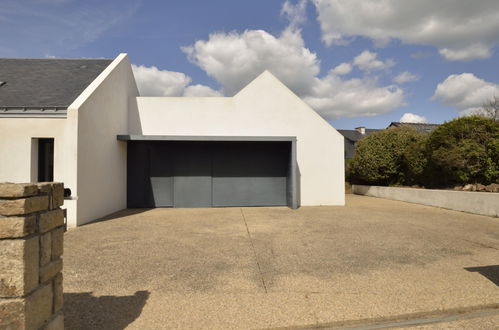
{"x":464,"y":150}
{"x":389,"y":157}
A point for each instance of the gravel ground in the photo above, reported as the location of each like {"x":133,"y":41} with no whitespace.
{"x":277,"y":267}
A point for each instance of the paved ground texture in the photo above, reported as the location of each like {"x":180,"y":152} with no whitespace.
{"x":373,"y":261}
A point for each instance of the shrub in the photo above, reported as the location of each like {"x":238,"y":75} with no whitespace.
{"x":389,"y":157}
{"x":464,"y":150}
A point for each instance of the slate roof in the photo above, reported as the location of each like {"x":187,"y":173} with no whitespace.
{"x":351,"y":137}
{"x":421,"y":127}
{"x":46,"y":83}
{"x":354,"y":135}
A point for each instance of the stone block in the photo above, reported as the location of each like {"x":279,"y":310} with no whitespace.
{"x":45,"y":248}
{"x":44,"y":187}
{"x":50,"y":220}
{"x":12,"y":314}
{"x":30,"y":312}
{"x":23,"y":205}
{"x":39,"y":305}
{"x":19,"y":268}
{"x":48,"y":271}
{"x":57,"y":195}
{"x":57,"y":242}
{"x":58,"y":292}
{"x":13,"y":190}
{"x":14,"y":227}
{"x":57,"y":323}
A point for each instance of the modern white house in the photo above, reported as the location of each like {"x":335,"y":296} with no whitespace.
{"x":82,"y":122}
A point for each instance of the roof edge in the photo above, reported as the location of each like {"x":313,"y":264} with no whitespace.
{"x":90,"y":89}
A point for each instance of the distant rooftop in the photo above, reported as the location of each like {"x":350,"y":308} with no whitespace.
{"x":355,"y":134}
{"x":45,"y":83}
{"x":421,"y":127}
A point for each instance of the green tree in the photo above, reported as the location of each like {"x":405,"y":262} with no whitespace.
{"x":464,"y":150}
{"x":389,"y":157}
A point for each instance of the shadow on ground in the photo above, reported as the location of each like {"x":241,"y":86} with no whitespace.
{"x":490,"y":272}
{"x":117,"y":215}
{"x":86,"y":311}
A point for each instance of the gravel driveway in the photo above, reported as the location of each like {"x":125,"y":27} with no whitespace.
{"x":372,"y":260}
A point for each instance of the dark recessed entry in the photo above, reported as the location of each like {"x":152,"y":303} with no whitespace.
{"x":45,"y":160}
{"x":209,"y":173}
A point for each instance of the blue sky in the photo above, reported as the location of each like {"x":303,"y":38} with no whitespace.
{"x":446,"y":50}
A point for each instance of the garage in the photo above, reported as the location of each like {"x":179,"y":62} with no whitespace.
{"x":188,"y":172}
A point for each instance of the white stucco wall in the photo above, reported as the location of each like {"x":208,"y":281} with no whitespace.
{"x":16,"y":136}
{"x":263,"y":108}
{"x":102,"y":111}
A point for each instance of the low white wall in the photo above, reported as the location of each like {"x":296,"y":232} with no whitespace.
{"x":472,"y":202}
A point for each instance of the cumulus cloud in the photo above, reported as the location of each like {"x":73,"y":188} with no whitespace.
{"x":368,"y":61}
{"x":412,"y":118}
{"x":342,"y":69}
{"x":152,"y":81}
{"x":471,"y":52}
{"x":296,"y":14}
{"x":234,"y":59}
{"x":333,"y":97}
{"x":462,"y":29}
{"x":405,"y":77}
{"x":465,"y":91}
{"x":200,"y":91}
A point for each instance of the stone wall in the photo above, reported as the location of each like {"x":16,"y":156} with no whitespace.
{"x":31,"y":246}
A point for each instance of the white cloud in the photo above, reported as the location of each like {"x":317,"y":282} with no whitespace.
{"x":368,"y":61}
{"x":405,"y":77}
{"x":296,"y":14}
{"x":333,"y":97}
{"x":342,"y":69}
{"x":200,"y":91}
{"x":152,"y":81}
{"x":465,"y":91}
{"x":412,"y":118}
{"x":234,"y":59}
{"x":471,"y":52}
{"x":451,"y":26}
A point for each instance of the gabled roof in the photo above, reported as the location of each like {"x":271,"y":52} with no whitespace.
{"x":421,"y":127}
{"x":45,"y":83}
{"x":354,"y":135}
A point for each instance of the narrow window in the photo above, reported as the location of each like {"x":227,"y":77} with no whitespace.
{"x":45,"y":160}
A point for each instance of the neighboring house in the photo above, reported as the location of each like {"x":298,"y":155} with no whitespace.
{"x":420,"y":127}
{"x":352,"y":136}
{"x":82,"y":122}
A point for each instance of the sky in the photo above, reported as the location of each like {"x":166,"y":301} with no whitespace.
{"x":355,"y":62}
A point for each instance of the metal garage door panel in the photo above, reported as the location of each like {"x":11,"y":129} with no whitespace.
{"x":249,"y":191}
{"x":161,"y":175}
{"x":192,"y":171}
{"x":250,"y":174}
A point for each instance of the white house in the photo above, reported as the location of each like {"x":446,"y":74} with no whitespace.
{"x":82,"y":122}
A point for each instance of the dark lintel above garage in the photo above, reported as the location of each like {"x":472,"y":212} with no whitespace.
{"x":204,"y":138}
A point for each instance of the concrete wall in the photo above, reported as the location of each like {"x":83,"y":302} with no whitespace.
{"x":16,"y":155}
{"x":473,"y":202}
{"x":102,"y":111}
{"x":263,"y":108}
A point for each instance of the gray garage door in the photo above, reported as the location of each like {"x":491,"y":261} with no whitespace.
{"x":205,"y":174}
